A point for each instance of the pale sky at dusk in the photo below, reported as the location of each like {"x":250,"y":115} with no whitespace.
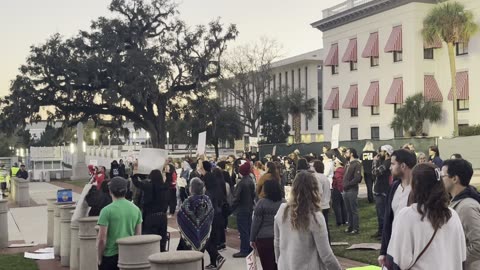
{"x":27,"y":22}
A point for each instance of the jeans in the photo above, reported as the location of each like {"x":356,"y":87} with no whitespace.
{"x":212,"y":244}
{"x":369,"y":183}
{"x":380,"y":204}
{"x":109,"y":263}
{"x":351,"y":204}
{"x":325,"y":215}
{"x":157,"y":224}
{"x":339,"y":207}
{"x":244,"y":223}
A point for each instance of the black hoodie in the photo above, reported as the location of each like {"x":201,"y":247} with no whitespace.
{"x":469,"y":192}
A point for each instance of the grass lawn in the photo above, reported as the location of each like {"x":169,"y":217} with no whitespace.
{"x":16,"y":262}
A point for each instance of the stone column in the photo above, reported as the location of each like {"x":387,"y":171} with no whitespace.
{"x":133,"y":251}
{"x":56,"y":226}
{"x":65,"y":237}
{"x":3,"y":224}
{"x":22,"y":192}
{"x":88,"y":236}
{"x":74,"y":246}
{"x":79,"y":168}
{"x":176,"y":260}
{"x":50,"y":207}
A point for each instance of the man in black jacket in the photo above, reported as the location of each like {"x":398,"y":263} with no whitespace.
{"x":402,"y":163}
{"x":351,"y":179}
{"x":22,"y":173}
{"x":381,"y":171}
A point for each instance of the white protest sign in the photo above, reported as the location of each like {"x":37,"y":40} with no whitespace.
{"x":274,"y":150}
{"x":251,"y":261}
{"x":202,"y":143}
{"x":253,"y":141}
{"x":93,"y":162}
{"x":150,"y":159}
{"x":335,"y":136}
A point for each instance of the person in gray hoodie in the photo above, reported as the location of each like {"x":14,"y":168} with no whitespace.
{"x":351,"y":179}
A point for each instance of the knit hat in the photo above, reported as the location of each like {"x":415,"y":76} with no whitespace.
{"x":245,"y":168}
{"x":387,"y":148}
{"x":207,"y":166}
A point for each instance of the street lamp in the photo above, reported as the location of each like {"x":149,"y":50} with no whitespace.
{"x":168,"y":136}
{"x":94,"y":136}
{"x":72,"y":148}
{"x":148,"y":137}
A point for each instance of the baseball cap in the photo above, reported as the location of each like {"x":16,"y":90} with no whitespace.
{"x":387,"y":148}
{"x":118,"y":185}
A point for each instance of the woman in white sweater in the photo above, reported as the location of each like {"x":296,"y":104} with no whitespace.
{"x":301,"y":240}
{"x":427,"y":234}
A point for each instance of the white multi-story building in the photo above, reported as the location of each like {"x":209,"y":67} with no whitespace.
{"x":302,"y":72}
{"x":376,"y":57}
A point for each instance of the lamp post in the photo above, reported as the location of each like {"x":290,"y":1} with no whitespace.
{"x":148,"y":137}
{"x":94,"y":136}
{"x":168,"y":137}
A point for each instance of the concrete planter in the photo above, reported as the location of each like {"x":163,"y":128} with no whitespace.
{"x":50,"y":209}
{"x":22,"y":192}
{"x":88,"y":236}
{"x":74,"y":246}
{"x":56,"y":226}
{"x":133,"y":251}
{"x":176,"y":260}
{"x":65,"y":237}
{"x":3,"y":224}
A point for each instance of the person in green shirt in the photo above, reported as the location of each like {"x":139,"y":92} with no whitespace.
{"x":117,"y":220}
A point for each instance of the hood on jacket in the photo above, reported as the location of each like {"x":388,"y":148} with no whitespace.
{"x":469,"y":192}
{"x":186,"y":166}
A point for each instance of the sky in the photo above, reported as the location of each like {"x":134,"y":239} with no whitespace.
{"x":30,"y":22}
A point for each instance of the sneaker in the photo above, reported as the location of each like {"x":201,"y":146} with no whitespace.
{"x":354,"y":232}
{"x":211,"y":267}
{"x":239,"y":255}
{"x":348,"y":230}
{"x":220,"y":262}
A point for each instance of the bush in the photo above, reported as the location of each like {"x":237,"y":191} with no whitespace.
{"x":469,"y":130}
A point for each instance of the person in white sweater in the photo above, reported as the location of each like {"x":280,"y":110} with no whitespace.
{"x":325,"y":192}
{"x":300,"y":231}
{"x":427,"y":234}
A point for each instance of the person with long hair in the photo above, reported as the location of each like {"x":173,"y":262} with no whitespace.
{"x":98,"y":197}
{"x":338,"y":204}
{"x":301,"y":239}
{"x":422,"y":231}
{"x":324,"y":188}
{"x":261,"y":234}
{"x":367,"y":156}
{"x":272,"y":173}
{"x":329,"y":166}
{"x":434,"y":156}
{"x":155,"y":203}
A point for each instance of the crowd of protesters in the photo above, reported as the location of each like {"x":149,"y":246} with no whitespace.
{"x":422,"y":203}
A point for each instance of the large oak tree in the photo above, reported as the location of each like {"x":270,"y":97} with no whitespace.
{"x":133,"y":67}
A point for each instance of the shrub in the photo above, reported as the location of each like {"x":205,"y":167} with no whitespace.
{"x":469,"y":130}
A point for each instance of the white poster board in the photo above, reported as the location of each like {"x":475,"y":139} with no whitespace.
{"x":335,"y":136}
{"x":150,"y":159}
{"x":251,"y":261}
{"x":253,"y":141}
{"x":274,"y":150}
{"x":202,"y":143}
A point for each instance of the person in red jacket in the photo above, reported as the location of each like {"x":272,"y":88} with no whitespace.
{"x":337,"y":189}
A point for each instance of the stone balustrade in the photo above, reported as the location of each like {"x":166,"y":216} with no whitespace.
{"x":176,"y":260}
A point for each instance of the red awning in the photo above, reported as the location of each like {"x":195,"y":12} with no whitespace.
{"x":431,"y":91}
{"x":395,"y":95}
{"x":373,"y":95}
{"x":371,"y":49}
{"x":351,"y":52}
{"x":332,"y":57}
{"x":351,"y":101}
{"x":462,"y":87}
{"x":437,"y":43}
{"x":333,"y":100}
{"x":394,"y":43}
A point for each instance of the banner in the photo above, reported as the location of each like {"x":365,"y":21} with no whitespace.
{"x":335,"y":136}
{"x":202,"y":143}
{"x":150,"y":159}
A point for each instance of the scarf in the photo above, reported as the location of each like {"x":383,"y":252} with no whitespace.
{"x":195,"y":221}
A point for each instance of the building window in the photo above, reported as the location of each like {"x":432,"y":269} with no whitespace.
{"x":374,"y":61}
{"x":375,"y":133}
{"x":319,"y":95}
{"x":375,"y":110}
{"x":463,"y":104}
{"x":299,"y":80}
{"x":397,"y":56}
{"x":286,"y":83}
{"x":353,"y":112}
{"x":334,"y":70}
{"x":396,"y":107}
{"x":280,"y":84}
{"x":274,"y":83}
{"x":335,"y":114}
{"x":353,"y":134}
{"x":462,"y":48}
{"x":293,"y":79}
{"x":428,"y":53}
{"x":353,"y":66}
{"x":398,"y":132}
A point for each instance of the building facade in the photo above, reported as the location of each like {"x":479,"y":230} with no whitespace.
{"x":376,"y":57}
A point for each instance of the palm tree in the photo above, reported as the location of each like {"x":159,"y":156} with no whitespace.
{"x":414,"y":113}
{"x":296,"y":104}
{"x":451,"y":23}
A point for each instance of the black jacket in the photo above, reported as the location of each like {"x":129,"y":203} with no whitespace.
{"x":114,"y":170}
{"x":367,"y":160}
{"x":382,"y":173}
{"x":244,"y":196}
{"x":388,"y":220}
{"x":122,"y":170}
{"x":155,"y":196}
{"x":353,"y":176}
{"x":22,"y":174}
{"x":97,"y":200}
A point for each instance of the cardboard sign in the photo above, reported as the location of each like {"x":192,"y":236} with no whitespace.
{"x":202,"y":143}
{"x":252,"y":261}
{"x":64,"y":195}
{"x":335,"y":136}
{"x":150,"y":159}
{"x":239,"y":145}
{"x":253,"y":141}
{"x":274,"y":150}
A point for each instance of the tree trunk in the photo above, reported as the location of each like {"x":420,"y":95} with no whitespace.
{"x":217,"y":152}
{"x":453,"y":74}
{"x":158,"y":130}
{"x":297,"y":126}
